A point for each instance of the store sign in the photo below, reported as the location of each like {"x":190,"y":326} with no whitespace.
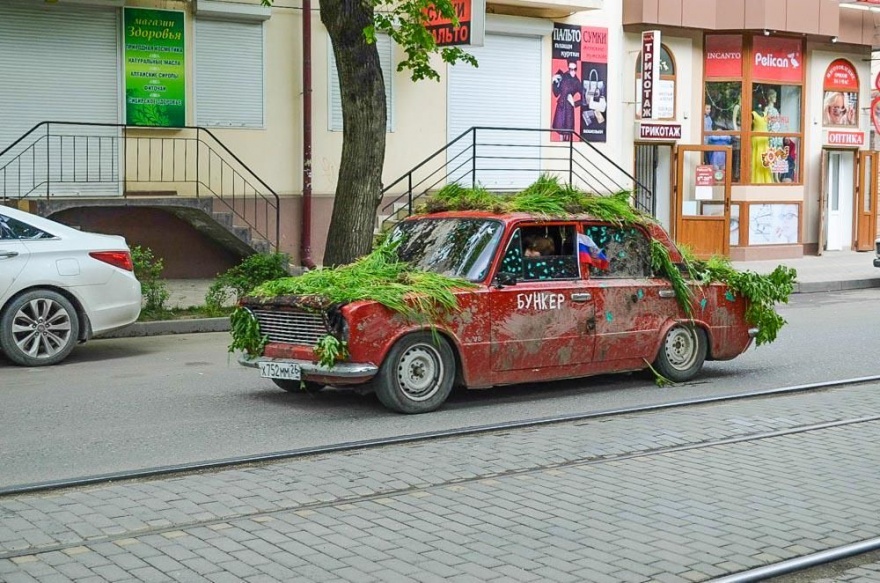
{"x":724,"y":56}
{"x":777,"y":59}
{"x":650,"y":71}
{"x":471,"y":24}
{"x":705,"y":175}
{"x":660,"y":131}
{"x":845,"y":138}
{"x":841,"y":76}
{"x":155,"y":68}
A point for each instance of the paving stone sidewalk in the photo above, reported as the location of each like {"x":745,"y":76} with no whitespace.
{"x":645,"y":497}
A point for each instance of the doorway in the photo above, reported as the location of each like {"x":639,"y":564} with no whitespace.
{"x":653,"y":169}
{"x":836,"y":202}
{"x":866,"y":201}
{"x":701,"y":211}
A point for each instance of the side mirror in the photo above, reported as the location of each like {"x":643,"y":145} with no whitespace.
{"x":505,"y":278}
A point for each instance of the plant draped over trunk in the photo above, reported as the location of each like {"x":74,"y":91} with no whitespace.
{"x":353,"y":25}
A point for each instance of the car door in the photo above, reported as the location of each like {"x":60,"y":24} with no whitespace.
{"x":631,"y":305}
{"x":13,"y":255}
{"x":543,"y":317}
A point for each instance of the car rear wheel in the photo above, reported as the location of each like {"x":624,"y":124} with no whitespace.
{"x":39,"y":328}
{"x":682,"y":354}
{"x":417,"y":374}
{"x":298,"y":386}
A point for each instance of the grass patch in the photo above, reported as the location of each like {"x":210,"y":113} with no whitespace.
{"x":190,"y":313}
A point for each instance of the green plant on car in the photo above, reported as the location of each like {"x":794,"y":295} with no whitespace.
{"x":239,"y":280}
{"x":148,"y":270}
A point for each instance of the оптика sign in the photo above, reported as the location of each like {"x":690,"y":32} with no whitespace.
{"x":155,"y":68}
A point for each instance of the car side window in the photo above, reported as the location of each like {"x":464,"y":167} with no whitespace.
{"x":542,"y":253}
{"x":13,"y":229}
{"x":619,"y":252}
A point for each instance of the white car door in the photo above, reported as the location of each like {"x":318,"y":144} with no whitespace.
{"x":13,"y":256}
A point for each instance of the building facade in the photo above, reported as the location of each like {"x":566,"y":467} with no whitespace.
{"x":755,"y":145}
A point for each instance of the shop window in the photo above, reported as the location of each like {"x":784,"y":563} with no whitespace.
{"x":722,"y":119}
{"x":761,"y":118}
{"x":664,"y":94}
{"x":386,"y":60}
{"x":224,"y":99}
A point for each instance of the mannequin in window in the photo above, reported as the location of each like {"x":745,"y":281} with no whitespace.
{"x":760,"y":145}
{"x":565,"y":87}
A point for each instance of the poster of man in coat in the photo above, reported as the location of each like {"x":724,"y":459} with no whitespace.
{"x":579,"y":83}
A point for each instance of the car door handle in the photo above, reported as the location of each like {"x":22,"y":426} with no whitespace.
{"x":667,"y":293}
{"x":8,"y":254}
{"x":581,"y":297}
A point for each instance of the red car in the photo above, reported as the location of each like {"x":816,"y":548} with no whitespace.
{"x":587,"y":303}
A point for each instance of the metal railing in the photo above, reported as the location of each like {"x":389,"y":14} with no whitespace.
{"x":508,"y":159}
{"x":69,"y":159}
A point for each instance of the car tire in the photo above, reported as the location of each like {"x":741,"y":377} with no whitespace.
{"x":39,"y":328}
{"x":682,"y":353}
{"x":298,"y":386}
{"x":417,"y":374}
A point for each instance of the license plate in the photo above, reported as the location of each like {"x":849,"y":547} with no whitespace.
{"x":279,"y":370}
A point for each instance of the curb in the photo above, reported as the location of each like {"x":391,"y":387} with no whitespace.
{"x":831,"y":286}
{"x":164,"y":327}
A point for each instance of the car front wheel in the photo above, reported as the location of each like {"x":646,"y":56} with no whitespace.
{"x":682,"y":354}
{"x":39,"y":328}
{"x":417,"y":374}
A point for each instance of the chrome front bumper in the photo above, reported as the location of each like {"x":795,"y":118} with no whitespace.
{"x":753,"y":332}
{"x":341,"y":370}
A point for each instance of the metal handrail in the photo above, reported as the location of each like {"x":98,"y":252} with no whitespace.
{"x":606,"y":177}
{"x":253,"y":187}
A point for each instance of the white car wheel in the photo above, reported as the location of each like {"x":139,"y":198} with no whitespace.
{"x":682,"y":353}
{"x":39,"y":328}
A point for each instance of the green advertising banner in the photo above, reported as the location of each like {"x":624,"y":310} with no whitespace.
{"x":155,"y":68}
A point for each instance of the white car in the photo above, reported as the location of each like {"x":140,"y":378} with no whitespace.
{"x":60,"y":286}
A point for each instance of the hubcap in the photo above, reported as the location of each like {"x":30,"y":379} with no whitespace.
{"x":681,"y":348}
{"x":41,"y":328}
{"x":419,"y":372}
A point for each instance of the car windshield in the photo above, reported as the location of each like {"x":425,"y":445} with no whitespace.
{"x":454,"y":247}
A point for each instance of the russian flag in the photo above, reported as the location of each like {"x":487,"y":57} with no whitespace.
{"x":589,"y":252}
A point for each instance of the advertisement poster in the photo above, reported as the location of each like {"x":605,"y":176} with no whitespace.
{"x":155,"y":68}
{"x":840,"y":100}
{"x":579,"y":82}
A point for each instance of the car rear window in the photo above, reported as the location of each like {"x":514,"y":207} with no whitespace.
{"x":14,"y":229}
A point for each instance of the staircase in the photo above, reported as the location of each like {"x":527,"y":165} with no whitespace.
{"x":185,"y":171}
{"x":507,"y":160}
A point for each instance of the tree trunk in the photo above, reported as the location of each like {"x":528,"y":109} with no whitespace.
{"x":362,"y":88}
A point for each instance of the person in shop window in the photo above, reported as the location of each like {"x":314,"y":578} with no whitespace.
{"x":565,"y":87}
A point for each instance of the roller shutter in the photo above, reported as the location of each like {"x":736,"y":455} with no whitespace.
{"x":505,"y":91}
{"x":59,"y":63}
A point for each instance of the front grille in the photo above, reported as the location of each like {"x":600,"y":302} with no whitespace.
{"x":292,"y":326}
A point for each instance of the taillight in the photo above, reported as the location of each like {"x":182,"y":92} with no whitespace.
{"x":120,"y":259}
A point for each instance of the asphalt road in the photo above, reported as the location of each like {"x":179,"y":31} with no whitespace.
{"x":144,"y":402}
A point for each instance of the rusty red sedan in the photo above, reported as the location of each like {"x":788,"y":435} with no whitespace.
{"x":551,"y":299}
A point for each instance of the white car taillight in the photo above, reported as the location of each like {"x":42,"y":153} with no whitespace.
{"x":120,"y":259}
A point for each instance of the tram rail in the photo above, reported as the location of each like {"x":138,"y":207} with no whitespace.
{"x":207,"y":465}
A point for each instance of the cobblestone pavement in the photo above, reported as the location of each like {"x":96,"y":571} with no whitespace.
{"x":679,"y":495}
